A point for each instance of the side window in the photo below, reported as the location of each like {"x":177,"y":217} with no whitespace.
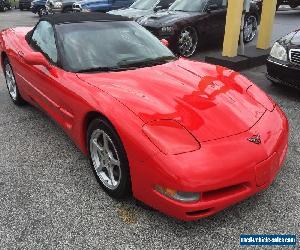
{"x":165,"y":4}
{"x":43,"y":40}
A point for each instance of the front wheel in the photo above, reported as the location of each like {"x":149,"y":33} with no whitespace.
{"x":250,"y":28}
{"x":108,"y":159}
{"x":187,"y":42}
{"x":12,"y":84}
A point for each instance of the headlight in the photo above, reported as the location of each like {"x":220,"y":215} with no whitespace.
{"x":170,"y":137}
{"x":279,"y":52}
{"x":57,"y":4}
{"x":178,"y":196}
{"x":168,"y":29}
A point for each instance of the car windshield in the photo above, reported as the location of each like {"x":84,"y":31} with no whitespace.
{"x":144,"y":4}
{"x":109,"y":46}
{"x":188,"y":5}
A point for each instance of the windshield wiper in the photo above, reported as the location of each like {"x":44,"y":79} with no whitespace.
{"x":147,"y":62}
{"x":101,"y":69}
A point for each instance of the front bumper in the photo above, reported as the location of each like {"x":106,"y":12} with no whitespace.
{"x":224,"y":171}
{"x":283,"y":72}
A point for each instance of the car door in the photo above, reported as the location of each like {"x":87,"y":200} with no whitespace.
{"x":49,"y":87}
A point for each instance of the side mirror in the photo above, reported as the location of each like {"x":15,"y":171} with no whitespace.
{"x":37,"y":58}
{"x":165,"y":42}
{"x":212,"y":7}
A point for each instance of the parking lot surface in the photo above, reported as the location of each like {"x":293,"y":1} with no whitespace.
{"x":50,"y":199}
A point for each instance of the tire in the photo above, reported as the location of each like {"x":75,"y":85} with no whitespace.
{"x":21,"y":9}
{"x":12,"y":84}
{"x":250,"y":28}
{"x":187,"y":42}
{"x":109,"y":160}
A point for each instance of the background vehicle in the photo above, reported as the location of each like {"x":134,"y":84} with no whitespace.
{"x":5,"y":5}
{"x":25,"y":4}
{"x":100,"y":5}
{"x":59,"y":6}
{"x":186,"y":24}
{"x":39,"y":7}
{"x":283,"y":64}
{"x":142,"y":8}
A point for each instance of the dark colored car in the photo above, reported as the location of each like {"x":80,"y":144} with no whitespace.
{"x":283,"y":64}
{"x":142,"y":8}
{"x":25,"y":4}
{"x":59,"y":6}
{"x":5,"y":5}
{"x":39,"y":7}
{"x":187,"y":23}
{"x":100,"y":5}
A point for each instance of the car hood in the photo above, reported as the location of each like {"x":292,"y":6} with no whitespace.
{"x":292,"y":39}
{"x":210,"y":101}
{"x":165,"y":18}
{"x":130,"y":12}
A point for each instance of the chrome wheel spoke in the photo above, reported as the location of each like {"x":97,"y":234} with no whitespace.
{"x":111,"y":176}
{"x":113,"y":161}
{"x":105,"y":142}
{"x":98,"y":148}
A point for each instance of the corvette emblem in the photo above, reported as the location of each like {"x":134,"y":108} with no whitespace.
{"x":255,"y":139}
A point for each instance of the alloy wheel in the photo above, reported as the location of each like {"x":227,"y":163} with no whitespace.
{"x":11,"y":82}
{"x":188,"y":41}
{"x":250,"y":28}
{"x":105,"y":159}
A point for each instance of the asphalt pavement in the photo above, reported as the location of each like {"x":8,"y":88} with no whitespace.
{"x":50,"y":199}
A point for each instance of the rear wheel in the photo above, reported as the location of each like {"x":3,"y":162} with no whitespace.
{"x":12,"y":84}
{"x":187,"y":42}
{"x":108,"y":158}
{"x":250,"y":28}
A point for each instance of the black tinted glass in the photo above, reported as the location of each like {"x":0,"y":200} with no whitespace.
{"x":91,"y":45}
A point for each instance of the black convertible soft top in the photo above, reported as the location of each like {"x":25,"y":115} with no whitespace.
{"x":82,"y":17}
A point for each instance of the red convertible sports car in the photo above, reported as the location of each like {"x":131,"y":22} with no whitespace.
{"x":184,"y":137}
